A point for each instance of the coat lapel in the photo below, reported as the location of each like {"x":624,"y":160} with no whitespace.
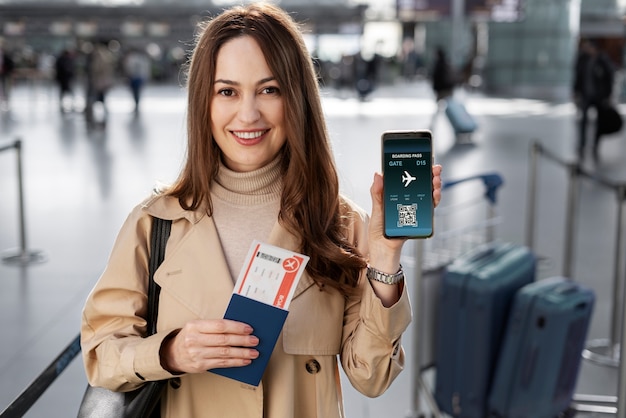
{"x":195,"y":272}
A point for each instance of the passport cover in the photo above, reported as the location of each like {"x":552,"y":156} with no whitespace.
{"x":267,"y":322}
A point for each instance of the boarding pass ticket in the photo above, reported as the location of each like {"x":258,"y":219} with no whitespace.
{"x":270,"y":274}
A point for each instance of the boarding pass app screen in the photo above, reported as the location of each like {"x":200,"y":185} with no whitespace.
{"x":407,"y":174}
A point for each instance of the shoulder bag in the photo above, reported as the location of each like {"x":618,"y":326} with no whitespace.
{"x":609,"y":119}
{"x":142,"y":402}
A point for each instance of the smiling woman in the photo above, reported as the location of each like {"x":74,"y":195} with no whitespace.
{"x":259,"y":168}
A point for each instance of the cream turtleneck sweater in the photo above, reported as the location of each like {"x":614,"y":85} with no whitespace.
{"x":245,"y":208}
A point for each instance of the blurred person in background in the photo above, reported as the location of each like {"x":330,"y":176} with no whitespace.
{"x":442,"y":76}
{"x":593,"y":88}
{"x":7,"y":66}
{"x":100,"y":68}
{"x":366,"y":74}
{"x":257,"y":144}
{"x":137,"y":68}
{"x":65,"y":70}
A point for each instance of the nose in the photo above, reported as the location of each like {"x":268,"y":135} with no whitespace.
{"x":249,"y":109}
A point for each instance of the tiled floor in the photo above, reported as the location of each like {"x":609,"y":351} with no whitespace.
{"x":79,"y":184}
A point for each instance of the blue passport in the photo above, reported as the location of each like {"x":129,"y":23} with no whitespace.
{"x":267,"y":322}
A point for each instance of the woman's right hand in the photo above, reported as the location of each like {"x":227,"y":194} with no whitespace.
{"x":202,"y":345}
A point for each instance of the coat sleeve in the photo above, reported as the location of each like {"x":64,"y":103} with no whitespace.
{"x":115,"y":354}
{"x":372,"y":355}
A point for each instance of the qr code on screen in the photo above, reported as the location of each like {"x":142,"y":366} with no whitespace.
{"x":406,"y":215}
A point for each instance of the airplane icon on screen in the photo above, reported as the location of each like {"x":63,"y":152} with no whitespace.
{"x":407,"y":178}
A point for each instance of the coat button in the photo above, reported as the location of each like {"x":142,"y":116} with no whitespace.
{"x":313,"y":367}
{"x":175,"y":382}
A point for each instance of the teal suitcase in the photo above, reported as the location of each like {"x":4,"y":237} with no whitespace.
{"x":476,"y":293}
{"x":538,"y":366}
{"x":461,"y":120}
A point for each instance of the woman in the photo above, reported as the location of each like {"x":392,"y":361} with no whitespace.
{"x":259,"y":166}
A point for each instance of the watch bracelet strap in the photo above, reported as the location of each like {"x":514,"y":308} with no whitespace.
{"x":379,"y":276}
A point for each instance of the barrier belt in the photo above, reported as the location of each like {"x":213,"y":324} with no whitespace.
{"x":29,"y":396}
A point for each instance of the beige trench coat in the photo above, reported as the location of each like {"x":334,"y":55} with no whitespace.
{"x":302,"y":378}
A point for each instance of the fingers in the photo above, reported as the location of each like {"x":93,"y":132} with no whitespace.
{"x":437,"y":170}
{"x":207,"y":344}
{"x":437,"y":184}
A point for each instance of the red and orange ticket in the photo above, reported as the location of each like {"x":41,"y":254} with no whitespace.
{"x":270,"y":274}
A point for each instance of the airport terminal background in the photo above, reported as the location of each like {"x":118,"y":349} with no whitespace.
{"x":80,"y":180}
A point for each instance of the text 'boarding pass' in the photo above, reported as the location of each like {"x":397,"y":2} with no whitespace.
{"x":270,"y":274}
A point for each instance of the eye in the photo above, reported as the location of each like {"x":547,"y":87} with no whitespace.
{"x":226,"y":92}
{"x":270,"y":90}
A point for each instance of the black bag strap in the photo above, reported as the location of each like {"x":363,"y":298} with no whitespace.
{"x":158,"y":240}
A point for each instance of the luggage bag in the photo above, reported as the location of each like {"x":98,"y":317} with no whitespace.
{"x":477,"y":290}
{"x":460,"y":119}
{"x":540,"y":357}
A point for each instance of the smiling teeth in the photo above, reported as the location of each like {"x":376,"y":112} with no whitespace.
{"x":249,"y":135}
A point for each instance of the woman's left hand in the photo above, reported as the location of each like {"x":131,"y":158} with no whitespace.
{"x":384,"y":253}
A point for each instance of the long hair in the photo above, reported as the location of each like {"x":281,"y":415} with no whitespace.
{"x":311,"y":207}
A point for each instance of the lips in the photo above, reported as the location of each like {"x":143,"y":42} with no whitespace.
{"x":249,"y":137}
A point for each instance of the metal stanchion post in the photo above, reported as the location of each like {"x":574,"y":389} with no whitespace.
{"x":619,"y":305}
{"x":570,"y":219}
{"x":23,"y":255}
{"x":606,"y":351}
{"x":531,"y":202}
{"x":570,"y":215}
{"x":416,"y":375}
{"x":621,"y":379}
{"x":418,"y":387}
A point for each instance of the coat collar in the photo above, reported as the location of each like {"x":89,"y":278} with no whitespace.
{"x":167,"y":207}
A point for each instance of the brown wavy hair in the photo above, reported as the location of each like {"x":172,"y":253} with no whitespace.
{"x":311,"y":207}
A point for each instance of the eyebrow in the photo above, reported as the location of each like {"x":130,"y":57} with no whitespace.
{"x":235,"y":83}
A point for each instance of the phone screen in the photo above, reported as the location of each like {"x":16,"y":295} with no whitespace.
{"x":407,"y":184}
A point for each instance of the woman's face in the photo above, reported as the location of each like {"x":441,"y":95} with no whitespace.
{"x":247,"y":112}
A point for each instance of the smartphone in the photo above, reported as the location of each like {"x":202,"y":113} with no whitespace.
{"x":407,"y":184}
